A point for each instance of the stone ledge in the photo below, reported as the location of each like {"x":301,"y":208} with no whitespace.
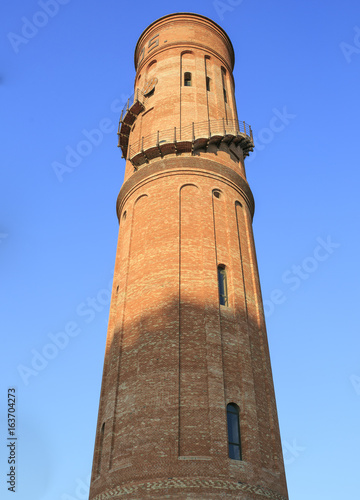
{"x":203,"y":167}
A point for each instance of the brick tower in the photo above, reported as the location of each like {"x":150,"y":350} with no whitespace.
{"x":187,"y":405}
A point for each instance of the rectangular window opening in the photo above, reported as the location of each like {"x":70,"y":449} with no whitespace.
{"x":102,"y":430}
{"x":187,"y":79}
{"x":224,"y":84}
{"x":208,"y":84}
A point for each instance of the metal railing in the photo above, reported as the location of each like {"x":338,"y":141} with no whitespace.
{"x":137,"y":96}
{"x":190,"y":133}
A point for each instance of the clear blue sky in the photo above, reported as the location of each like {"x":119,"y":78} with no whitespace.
{"x":58,"y":239}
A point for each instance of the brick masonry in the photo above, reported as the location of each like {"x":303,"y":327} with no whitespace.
{"x":198,"y":488}
{"x":175,"y":357}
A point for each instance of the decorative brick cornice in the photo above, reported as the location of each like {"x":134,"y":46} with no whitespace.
{"x":186,"y":17}
{"x":179,"y":484}
{"x":203,"y":167}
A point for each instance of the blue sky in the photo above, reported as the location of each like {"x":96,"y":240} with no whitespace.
{"x":70,"y":73}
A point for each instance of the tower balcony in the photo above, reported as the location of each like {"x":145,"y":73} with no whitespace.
{"x":190,"y":138}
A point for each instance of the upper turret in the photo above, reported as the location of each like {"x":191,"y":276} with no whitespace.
{"x":184,"y":95}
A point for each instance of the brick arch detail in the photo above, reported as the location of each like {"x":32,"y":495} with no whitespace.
{"x":188,"y":184}
{"x":140,"y":197}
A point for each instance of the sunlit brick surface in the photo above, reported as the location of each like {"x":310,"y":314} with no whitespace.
{"x":174,"y":357}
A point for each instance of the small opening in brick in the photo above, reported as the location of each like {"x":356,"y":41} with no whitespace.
{"x":208,"y":84}
{"x":187,"y":79}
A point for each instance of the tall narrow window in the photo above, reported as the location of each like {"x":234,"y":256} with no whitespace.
{"x":233,"y":425}
{"x":223,"y":292}
{"x":102,"y":430}
{"x":187,"y":79}
{"x":208,"y":83}
{"x":225,"y":95}
{"x":223,"y":75}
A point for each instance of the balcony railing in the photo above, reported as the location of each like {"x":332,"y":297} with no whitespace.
{"x":136,"y":97}
{"x":191,"y":137}
{"x":134,"y":106}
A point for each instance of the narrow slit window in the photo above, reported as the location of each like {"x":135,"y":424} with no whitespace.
{"x":223,"y":291}
{"x":208,"y":83}
{"x":224,"y":85}
{"x":102,"y":430}
{"x":233,"y":425}
{"x":187,"y":79}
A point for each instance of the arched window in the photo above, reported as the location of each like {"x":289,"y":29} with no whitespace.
{"x":208,"y":83}
{"x":217,"y":193}
{"x":223,"y":291}
{"x":233,"y":425}
{"x":187,"y":79}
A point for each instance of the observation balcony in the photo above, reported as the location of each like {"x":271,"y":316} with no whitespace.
{"x":190,"y":138}
{"x":178,"y":140}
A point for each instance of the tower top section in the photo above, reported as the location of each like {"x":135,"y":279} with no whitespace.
{"x":184,"y":96}
{"x":184,"y":29}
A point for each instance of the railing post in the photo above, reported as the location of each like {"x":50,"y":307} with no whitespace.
{"x":121,"y":116}
{"x":209,"y":128}
{"x":224,"y":126}
{"x":157,"y":140}
{"x":193,"y":132}
{"x":244,"y":128}
{"x":118,"y":133}
{"x":127,"y":106}
{"x":142,"y":144}
{"x":251,"y":134}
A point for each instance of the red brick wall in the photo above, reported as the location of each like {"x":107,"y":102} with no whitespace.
{"x":174,"y":357}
